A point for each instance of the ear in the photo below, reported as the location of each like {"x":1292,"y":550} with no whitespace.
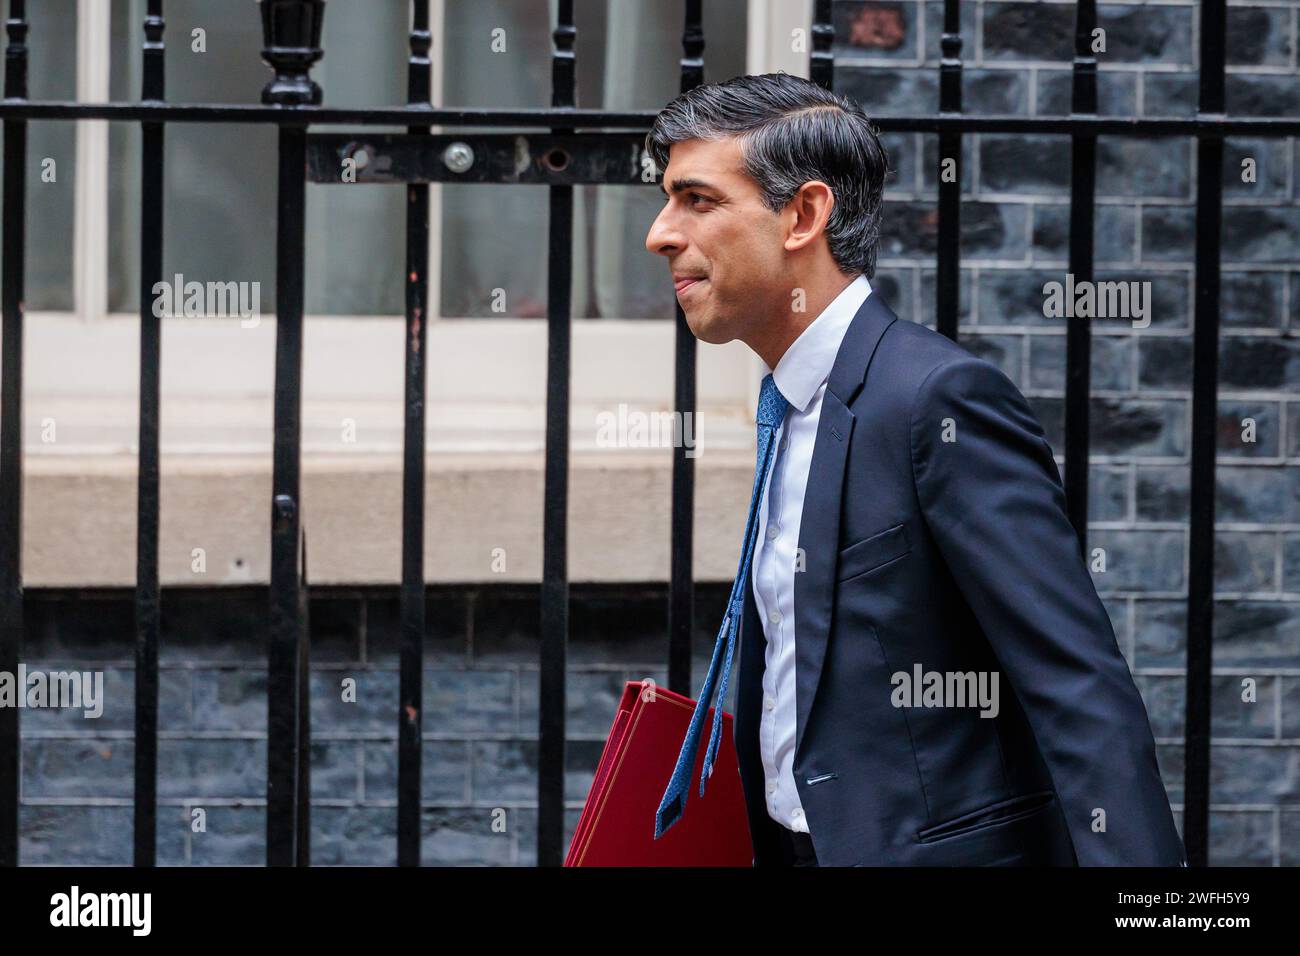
{"x":807,"y":214}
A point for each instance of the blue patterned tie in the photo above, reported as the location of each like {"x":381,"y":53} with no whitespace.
{"x":771,"y":412}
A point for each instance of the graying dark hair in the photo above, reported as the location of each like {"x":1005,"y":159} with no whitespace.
{"x":791,"y":131}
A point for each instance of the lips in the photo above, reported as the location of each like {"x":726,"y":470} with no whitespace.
{"x":685,"y":282}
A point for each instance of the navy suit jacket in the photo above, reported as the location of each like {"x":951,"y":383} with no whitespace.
{"x":934,"y":533}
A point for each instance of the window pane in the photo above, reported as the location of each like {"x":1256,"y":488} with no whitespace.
{"x":218,"y":179}
{"x":51,"y":155}
{"x":356,"y":234}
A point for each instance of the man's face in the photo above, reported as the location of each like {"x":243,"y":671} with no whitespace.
{"x":715,"y":230}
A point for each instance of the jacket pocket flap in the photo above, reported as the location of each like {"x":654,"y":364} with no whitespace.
{"x":871,"y":552}
{"x":1003,"y":811}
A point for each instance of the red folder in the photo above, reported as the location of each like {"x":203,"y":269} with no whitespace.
{"x":618,"y":823}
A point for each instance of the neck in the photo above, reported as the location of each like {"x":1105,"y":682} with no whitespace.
{"x":773,"y":337}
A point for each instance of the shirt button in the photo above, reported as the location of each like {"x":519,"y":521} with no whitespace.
{"x":784,"y":442}
{"x":772,"y":532}
{"x":797,"y":819}
{"x":774,"y":616}
{"x":771,"y":787}
{"x":769,"y":703}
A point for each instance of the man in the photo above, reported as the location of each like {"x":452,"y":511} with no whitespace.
{"x":927,"y":675}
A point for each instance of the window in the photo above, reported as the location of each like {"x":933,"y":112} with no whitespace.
{"x":220,"y":182}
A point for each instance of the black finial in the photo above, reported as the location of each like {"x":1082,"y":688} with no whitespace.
{"x":291,"y":31}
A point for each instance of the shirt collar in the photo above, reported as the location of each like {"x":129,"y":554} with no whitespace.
{"x":807,"y":363}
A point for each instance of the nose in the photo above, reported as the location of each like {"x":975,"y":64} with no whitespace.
{"x":664,"y":238}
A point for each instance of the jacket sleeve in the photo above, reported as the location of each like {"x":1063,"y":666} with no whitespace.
{"x":992,"y":499}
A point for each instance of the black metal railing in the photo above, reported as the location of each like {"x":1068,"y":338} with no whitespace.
{"x":570,"y":146}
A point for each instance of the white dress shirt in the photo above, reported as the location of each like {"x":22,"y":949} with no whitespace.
{"x":800,"y":375}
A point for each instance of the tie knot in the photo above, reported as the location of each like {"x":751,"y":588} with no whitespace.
{"x":771,"y":403}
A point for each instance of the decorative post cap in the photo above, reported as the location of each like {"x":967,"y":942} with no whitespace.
{"x":291,"y":31}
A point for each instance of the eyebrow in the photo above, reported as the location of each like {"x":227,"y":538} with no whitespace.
{"x":688,"y":183}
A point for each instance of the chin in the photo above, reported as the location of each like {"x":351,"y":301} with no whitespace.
{"x":706,"y":331}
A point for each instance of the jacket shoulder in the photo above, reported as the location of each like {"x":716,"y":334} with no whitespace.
{"x":910,"y":353}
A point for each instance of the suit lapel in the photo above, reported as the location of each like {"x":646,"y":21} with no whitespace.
{"x":819,"y":528}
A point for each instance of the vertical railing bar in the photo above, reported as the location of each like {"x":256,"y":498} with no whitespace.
{"x":947,"y":275}
{"x":821,"y":59}
{"x":1205,"y":372}
{"x":291,"y":45}
{"x":286,"y":618}
{"x":555,"y":580}
{"x":302,"y":781}
{"x":147,"y":596}
{"x":1078,"y":330}
{"x":11,"y":422}
{"x":681,"y":597}
{"x":412,"y":601}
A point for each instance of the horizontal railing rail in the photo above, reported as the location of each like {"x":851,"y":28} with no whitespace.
{"x":587,"y":119}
